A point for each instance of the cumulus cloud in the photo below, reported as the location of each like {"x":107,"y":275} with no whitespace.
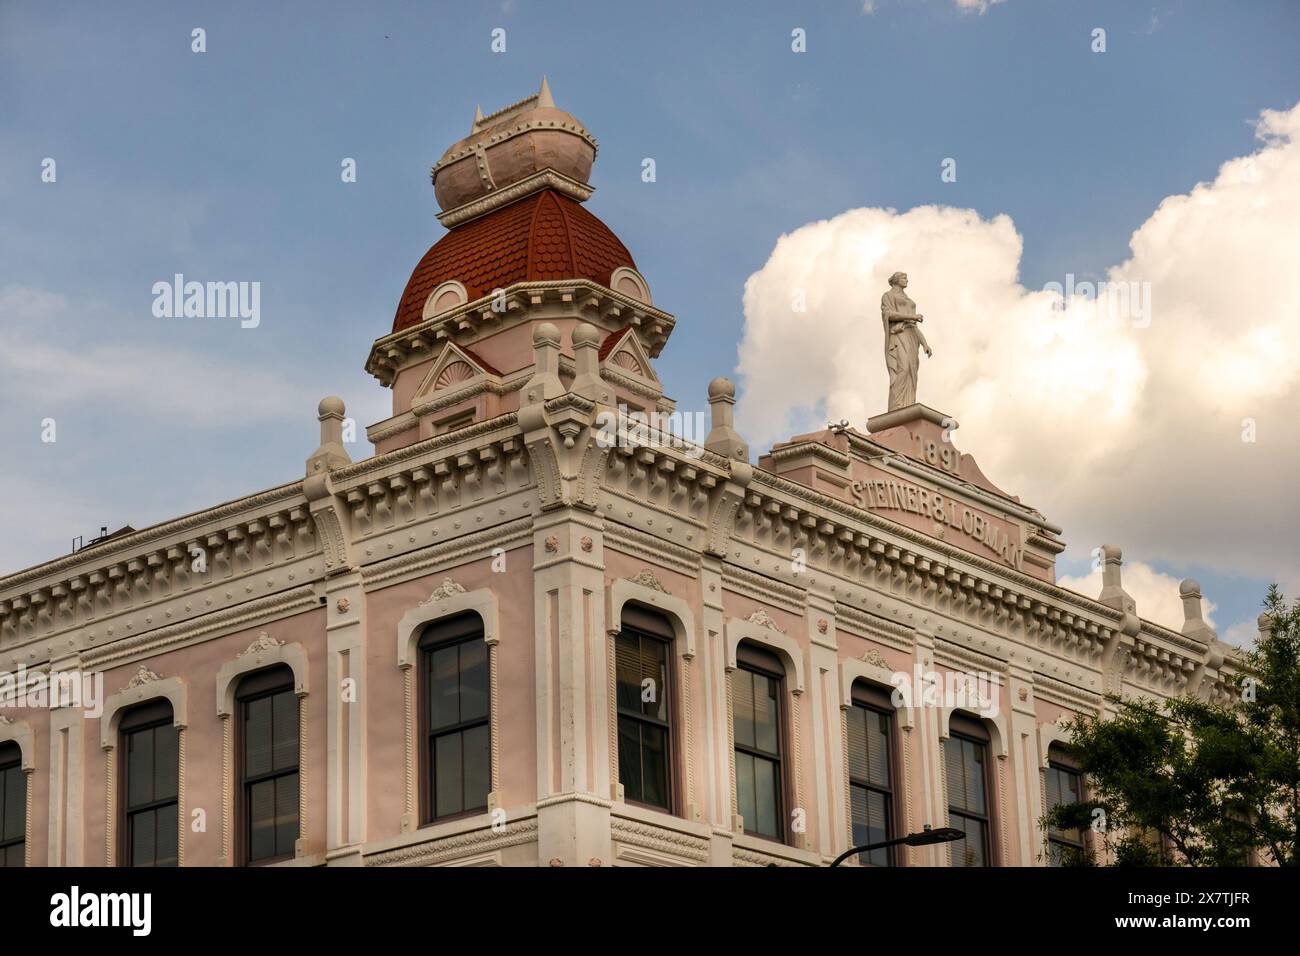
{"x":1169,"y":433}
{"x":1155,"y":592}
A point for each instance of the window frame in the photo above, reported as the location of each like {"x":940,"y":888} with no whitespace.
{"x":757,"y":659}
{"x":461,"y":628}
{"x":11,"y":760}
{"x":971,"y":730}
{"x":254,"y":686}
{"x":876,"y":699}
{"x":655,"y":626}
{"x":148,"y":715}
{"x":1061,"y":762}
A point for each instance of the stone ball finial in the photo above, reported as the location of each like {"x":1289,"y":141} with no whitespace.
{"x":546,"y":334}
{"x":586,"y":334}
{"x":331,"y":405}
{"x":1189,"y":588}
{"x":1111,"y":552}
{"x":1265,"y":623}
{"x":720,"y":388}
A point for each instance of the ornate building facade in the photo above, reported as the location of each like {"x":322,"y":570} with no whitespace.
{"x":535,"y":627}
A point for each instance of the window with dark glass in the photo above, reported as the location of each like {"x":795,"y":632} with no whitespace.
{"x":760,"y":782}
{"x":871,"y":778}
{"x":642,"y":653}
{"x":268,"y":731}
{"x":965,"y":755}
{"x":13,"y":806}
{"x":456,"y":718}
{"x":1064,"y":786}
{"x":150,"y":776}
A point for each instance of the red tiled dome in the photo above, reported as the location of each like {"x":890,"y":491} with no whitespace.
{"x":541,"y":237}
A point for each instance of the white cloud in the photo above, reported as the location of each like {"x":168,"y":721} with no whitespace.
{"x":1242,"y":634}
{"x":39,"y":371}
{"x":1155,"y":592}
{"x":975,"y":6}
{"x":1118,"y":432}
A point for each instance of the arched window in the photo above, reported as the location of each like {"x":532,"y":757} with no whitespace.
{"x":966,"y":763}
{"x":1064,"y":785}
{"x":645,"y":694}
{"x":758,"y":715}
{"x":455,"y":718}
{"x":13,"y":806}
{"x":871,"y":772}
{"x":268,"y":765}
{"x":150,"y":779}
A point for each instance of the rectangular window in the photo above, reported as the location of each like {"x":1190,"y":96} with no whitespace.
{"x":965,"y":755}
{"x":456,"y":718}
{"x":871,"y":788}
{"x":268,"y":714}
{"x":150,"y":776}
{"x":760,"y":782}
{"x":13,"y":806}
{"x":1064,"y":786}
{"x":642,"y":654}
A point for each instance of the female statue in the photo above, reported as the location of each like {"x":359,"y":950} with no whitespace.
{"x":903,"y":340}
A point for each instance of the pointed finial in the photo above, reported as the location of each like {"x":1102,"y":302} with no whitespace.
{"x":478,"y":117}
{"x":544,"y":98}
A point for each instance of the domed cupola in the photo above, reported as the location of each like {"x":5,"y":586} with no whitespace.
{"x":521,"y":251}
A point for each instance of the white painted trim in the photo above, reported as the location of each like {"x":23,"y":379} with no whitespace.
{"x":1049,"y":734}
{"x":441,"y":605}
{"x":677,"y":611}
{"x":853,"y":670}
{"x":171,"y":688}
{"x":996,"y":726}
{"x":784,"y":645}
{"x":20,"y":732}
{"x":626,"y":272}
{"x":451,"y":285}
{"x":294,"y":655}
{"x":447,"y":600}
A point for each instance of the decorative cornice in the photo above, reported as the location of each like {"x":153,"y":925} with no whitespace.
{"x":450,"y":848}
{"x":870,"y":625}
{"x":100,"y":552}
{"x":366,"y":467}
{"x":446,"y":555}
{"x":542,"y":179}
{"x":672,"y":556}
{"x":280,"y":606}
{"x":660,"y":839}
{"x":762,"y":588}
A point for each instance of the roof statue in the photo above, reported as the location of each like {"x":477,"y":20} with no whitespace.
{"x":903,"y":340}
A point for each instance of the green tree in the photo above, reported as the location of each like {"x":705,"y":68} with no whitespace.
{"x":1186,"y":782}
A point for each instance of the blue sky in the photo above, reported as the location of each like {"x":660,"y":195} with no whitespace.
{"x":225,"y":165}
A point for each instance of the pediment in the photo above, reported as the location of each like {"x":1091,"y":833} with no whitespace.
{"x":455,"y":367}
{"x":628,"y":357}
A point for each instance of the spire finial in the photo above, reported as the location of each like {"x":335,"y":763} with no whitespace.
{"x":544,"y":98}
{"x":478,"y":117}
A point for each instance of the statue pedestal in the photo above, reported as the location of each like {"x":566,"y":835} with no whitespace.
{"x":907,"y":415}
